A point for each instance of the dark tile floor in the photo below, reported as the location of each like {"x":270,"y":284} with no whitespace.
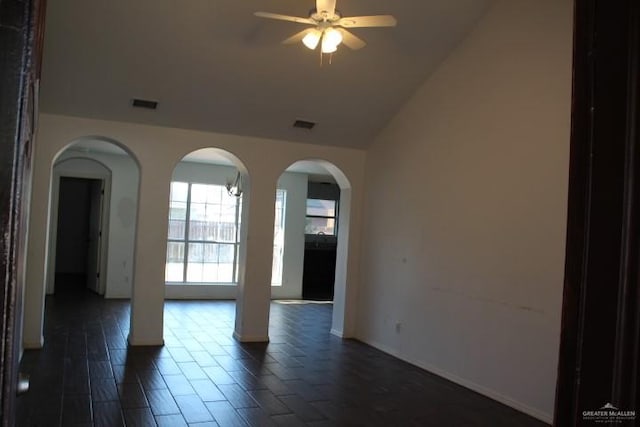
{"x":87,"y":376}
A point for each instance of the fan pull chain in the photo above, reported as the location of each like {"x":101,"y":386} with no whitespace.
{"x":322,"y":56}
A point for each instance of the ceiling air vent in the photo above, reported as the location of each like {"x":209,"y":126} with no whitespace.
{"x":145,"y":103}
{"x":303,"y":124}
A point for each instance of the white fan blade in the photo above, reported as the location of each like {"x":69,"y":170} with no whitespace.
{"x":297,"y":37}
{"x":350,"y":40}
{"x":368,"y":21}
{"x":297,"y":19}
{"x":328,"y":6}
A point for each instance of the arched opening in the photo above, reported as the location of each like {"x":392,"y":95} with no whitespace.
{"x":314,"y":224}
{"x":205,"y":215}
{"x":92,"y":220}
{"x":93,"y":194}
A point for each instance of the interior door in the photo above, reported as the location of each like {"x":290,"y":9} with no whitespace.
{"x":94,"y":243}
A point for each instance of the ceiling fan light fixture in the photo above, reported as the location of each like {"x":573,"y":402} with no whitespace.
{"x":329,"y":28}
{"x":332,"y":36}
{"x":312,"y":39}
{"x":329,"y":48}
{"x":328,"y":45}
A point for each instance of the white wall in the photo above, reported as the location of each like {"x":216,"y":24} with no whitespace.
{"x":465,"y":211}
{"x":122,"y":212}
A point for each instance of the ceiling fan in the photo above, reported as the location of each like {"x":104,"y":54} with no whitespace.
{"x":330,"y":27}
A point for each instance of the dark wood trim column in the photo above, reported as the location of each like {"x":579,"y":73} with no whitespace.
{"x":599,"y":352}
{"x":21,"y":31}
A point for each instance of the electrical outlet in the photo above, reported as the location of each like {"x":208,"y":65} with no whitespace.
{"x":398,"y":327}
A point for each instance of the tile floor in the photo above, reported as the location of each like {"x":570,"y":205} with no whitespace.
{"x":87,"y":376}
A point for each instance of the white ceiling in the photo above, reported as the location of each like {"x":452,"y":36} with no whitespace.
{"x":214,"y":66}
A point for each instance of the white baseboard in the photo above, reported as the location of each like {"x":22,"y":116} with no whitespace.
{"x":337,"y":333}
{"x":33,"y":345}
{"x":151,"y":342}
{"x":249,"y":338}
{"x":536,"y":413}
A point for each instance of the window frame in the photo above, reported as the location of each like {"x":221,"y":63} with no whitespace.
{"x":334,"y":217}
{"x":186,"y":241}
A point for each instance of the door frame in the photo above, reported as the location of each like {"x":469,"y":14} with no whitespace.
{"x":57,"y":175}
{"x":23,"y":32}
{"x":599,"y":360}
{"x":94,"y":263}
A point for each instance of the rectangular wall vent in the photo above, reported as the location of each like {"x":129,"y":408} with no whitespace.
{"x":145,"y":103}
{"x":303,"y":124}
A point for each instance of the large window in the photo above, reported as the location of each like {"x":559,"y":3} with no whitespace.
{"x":204,"y":232}
{"x":321,"y":217}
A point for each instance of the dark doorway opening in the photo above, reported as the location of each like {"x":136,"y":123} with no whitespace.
{"x":319,"y":271}
{"x":321,"y":241}
{"x":79,"y":233}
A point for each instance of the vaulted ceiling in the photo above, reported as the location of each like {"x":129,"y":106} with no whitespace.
{"x":212,"y":65}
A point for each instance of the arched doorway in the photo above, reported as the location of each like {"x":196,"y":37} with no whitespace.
{"x":318,"y":211}
{"x":112,"y":173}
{"x":203,"y":237}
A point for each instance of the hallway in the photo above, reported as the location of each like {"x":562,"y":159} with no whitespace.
{"x":86,"y":375}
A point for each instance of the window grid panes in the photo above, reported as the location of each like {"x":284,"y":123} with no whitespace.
{"x":321,"y":217}
{"x":203,"y":234}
